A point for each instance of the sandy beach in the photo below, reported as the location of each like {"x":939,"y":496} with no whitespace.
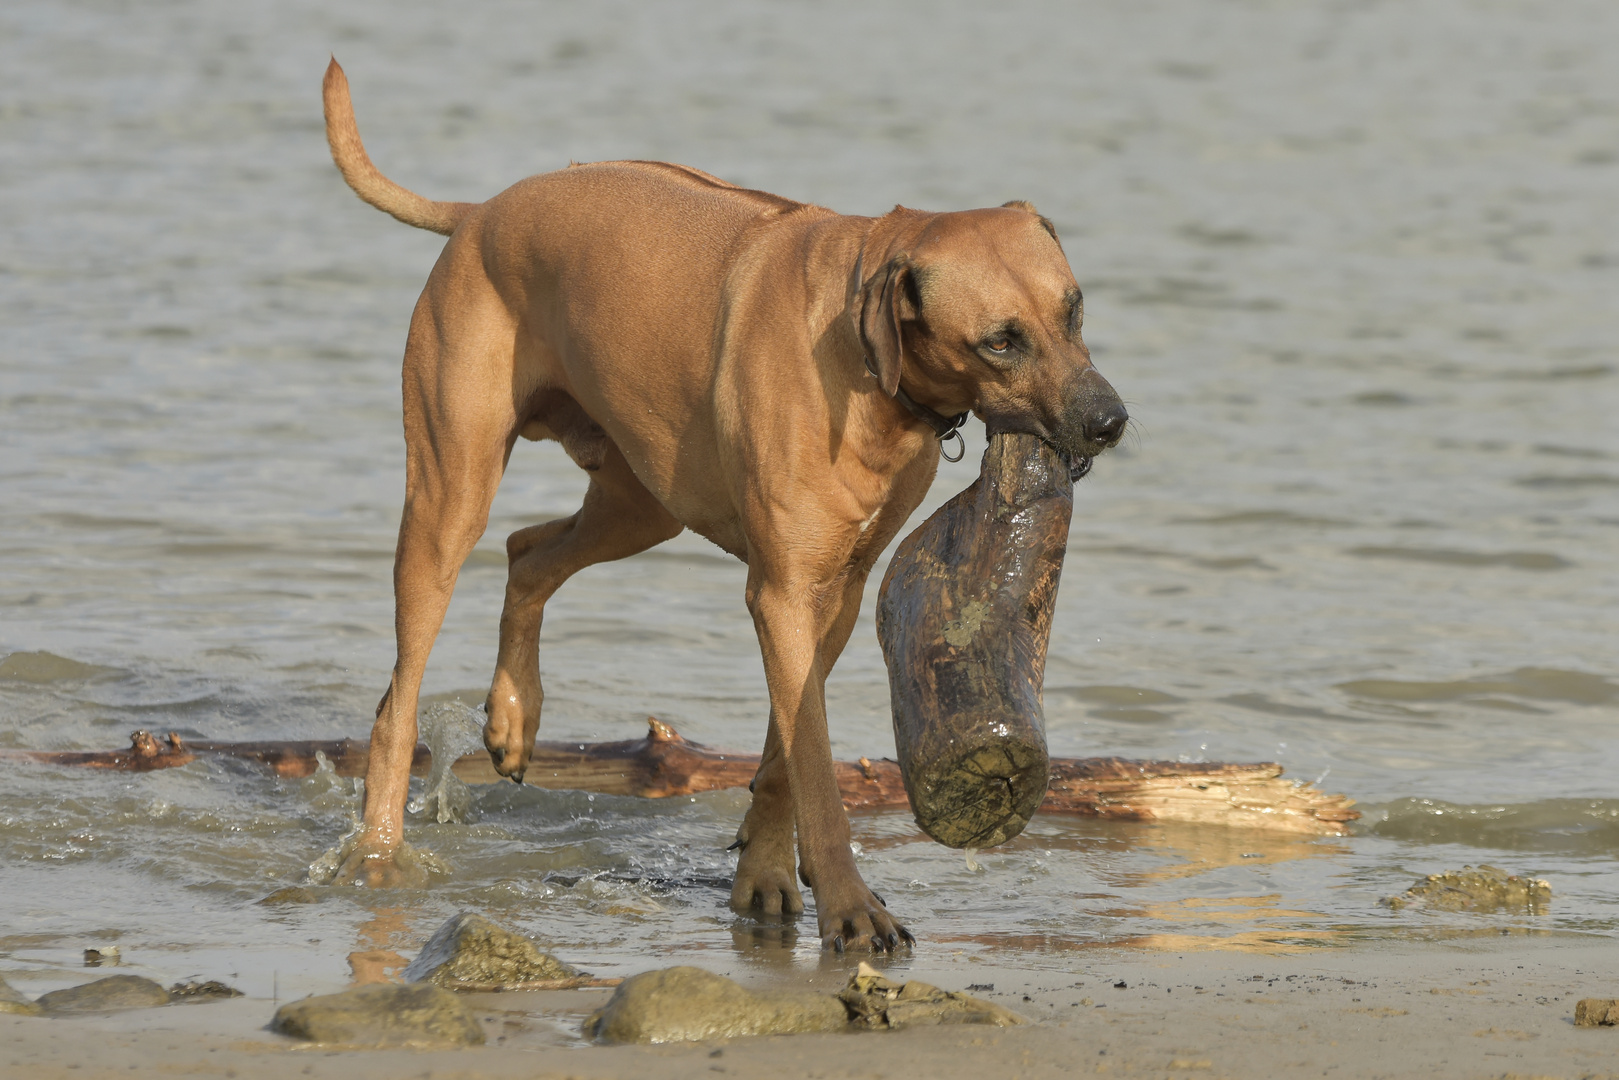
{"x":1486,"y":1006}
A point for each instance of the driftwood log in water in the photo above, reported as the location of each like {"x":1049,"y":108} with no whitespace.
{"x":664,"y":764}
{"x":964,"y":617}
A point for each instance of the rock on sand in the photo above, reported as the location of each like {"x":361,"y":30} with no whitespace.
{"x":470,"y":951}
{"x":105,"y":995}
{"x":687,"y":1004}
{"x":382,"y":1015}
{"x":876,"y":1002}
{"x":1597,"y":1012}
{"x":212,"y":990}
{"x":11,"y":1001}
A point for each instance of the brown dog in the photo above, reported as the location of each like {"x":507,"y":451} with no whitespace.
{"x":767,"y":373}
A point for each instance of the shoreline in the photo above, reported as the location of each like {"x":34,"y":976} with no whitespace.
{"x":1463,"y":1007}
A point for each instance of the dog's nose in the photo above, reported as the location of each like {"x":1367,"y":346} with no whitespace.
{"x":1106,"y":425}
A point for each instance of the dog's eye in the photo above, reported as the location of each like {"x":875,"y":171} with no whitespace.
{"x":1002,"y":347}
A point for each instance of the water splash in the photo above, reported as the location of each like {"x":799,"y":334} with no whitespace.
{"x":323,"y":871}
{"x":413,"y":867}
{"x":450,"y":730}
{"x":325,"y":790}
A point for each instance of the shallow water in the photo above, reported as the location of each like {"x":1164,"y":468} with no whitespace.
{"x":1351,"y":265}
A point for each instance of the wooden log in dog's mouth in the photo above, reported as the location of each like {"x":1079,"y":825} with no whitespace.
{"x":964,"y":618}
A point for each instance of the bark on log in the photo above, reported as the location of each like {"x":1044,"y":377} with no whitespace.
{"x":663,"y":764}
{"x":964,"y":617}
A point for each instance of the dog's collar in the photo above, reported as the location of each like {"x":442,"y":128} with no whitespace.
{"x":944,"y":427}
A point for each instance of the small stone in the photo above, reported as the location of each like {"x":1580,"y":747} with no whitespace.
{"x":105,"y":995}
{"x":292,"y":894}
{"x":1596,"y":1012}
{"x":12,"y":1001}
{"x":107,"y":954}
{"x":874,"y":1001}
{"x":212,"y":990}
{"x":470,"y":951}
{"x":382,"y":1015}
{"x":1481,"y":888}
{"x":688,"y":1004}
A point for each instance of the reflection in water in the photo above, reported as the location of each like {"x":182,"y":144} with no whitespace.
{"x":374,"y":958}
{"x":766,"y":941}
{"x":1278,"y":930}
{"x":1150,"y":867}
{"x":1200,"y":850}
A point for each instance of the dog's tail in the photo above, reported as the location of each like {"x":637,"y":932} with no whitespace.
{"x":368,"y":183}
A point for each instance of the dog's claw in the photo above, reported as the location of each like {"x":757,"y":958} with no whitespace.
{"x":737,"y":844}
{"x":906,"y":936}
{"x":893,"y":940}
{"x":837,"y":944}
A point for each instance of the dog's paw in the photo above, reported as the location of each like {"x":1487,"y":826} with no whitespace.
{"x":374,"y":865}
{"x":856,"y":918}
{"x":764,"y":883}
{"x":512,"y":726}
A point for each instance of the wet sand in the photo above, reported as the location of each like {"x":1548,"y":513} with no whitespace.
{"x":1487,"y":1006}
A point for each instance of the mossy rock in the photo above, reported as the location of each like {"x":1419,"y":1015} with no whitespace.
{"x":1483,"y":888}
{"x":469,"y":951}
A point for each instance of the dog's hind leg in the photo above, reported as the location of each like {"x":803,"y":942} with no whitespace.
{"x":618,"y":519}
{"x":456,"y":443}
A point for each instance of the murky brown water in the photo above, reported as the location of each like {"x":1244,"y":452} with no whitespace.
{"x":1351,"y":265}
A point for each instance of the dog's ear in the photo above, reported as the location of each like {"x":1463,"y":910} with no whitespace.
{"x":879,"y":305}
{"x":1028,"y":207}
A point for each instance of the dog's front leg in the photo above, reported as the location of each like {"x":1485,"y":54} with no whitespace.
{"x":790,"y":615}
{"x":764,"y":880}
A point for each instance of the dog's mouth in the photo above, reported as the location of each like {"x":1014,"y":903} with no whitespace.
{"x":1079,"y":464}
{"x":1078,"y":461}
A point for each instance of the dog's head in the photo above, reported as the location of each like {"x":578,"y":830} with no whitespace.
{"x":979,"y":311}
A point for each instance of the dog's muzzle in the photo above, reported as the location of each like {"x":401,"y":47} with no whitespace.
{"x":1094,"y":421}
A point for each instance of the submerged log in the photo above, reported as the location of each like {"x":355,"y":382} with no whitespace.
{"x":964,"y":618}
{"x":664,"y":764}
